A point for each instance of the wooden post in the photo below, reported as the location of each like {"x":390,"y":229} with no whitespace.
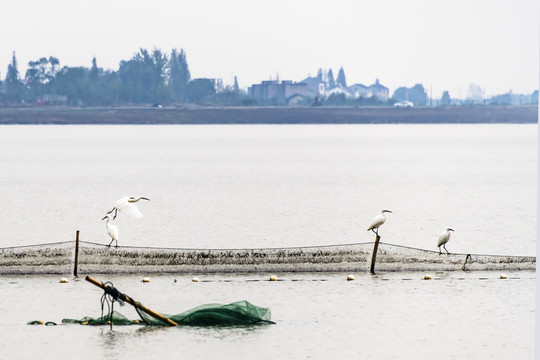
{"x":136,"y":304}
{"x":374,"y":255}
{"x":76,"y":254}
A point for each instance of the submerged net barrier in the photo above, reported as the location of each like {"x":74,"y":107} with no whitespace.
{"x":58,"y":258}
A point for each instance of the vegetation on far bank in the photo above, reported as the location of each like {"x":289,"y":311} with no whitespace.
{"x":160,"y":79}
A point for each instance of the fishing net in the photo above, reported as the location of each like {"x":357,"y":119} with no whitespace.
{"x":58,"y":258}
{"x":235,"y":314}
{"x":51,"y":258}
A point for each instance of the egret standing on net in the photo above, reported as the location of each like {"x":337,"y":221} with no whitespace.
{"x":443,"y":239}
{"x":126,"y":205}
{"x":378,"y":221}
{"x":111,"y":229}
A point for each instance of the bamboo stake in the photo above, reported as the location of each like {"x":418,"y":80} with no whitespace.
{"x":136,"y":304}
{"x":76,"y":254}
{"x":374,"y":255}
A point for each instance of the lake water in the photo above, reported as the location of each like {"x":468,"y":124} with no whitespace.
{"x":272,"y":186}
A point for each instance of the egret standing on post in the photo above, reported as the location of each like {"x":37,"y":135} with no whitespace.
{"x":111,"y":229}
{"x":443,"y":239}
{"x":378,"y":221}
{"x":125,"y":205}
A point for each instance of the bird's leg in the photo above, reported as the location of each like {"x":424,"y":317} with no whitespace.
{"x":116,"y":244}
{"x":440,"y":250}
{"x":112,"y":239}
{"x":444,"y":246}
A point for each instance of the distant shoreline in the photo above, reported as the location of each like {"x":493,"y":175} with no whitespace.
{"x":269,"y":115}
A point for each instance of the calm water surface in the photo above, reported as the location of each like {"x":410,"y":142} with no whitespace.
{"x":268,"y":186}
{"x":318,"y":316}
{"x":271,"y":186}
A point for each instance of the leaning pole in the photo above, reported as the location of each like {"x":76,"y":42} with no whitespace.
{"x":374,"y":255}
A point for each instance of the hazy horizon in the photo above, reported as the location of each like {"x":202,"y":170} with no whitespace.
{"x":442,"y":45}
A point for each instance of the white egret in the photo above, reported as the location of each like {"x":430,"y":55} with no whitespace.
{"x":378,"y":221}
{"x":126,"y":205}
{"x":111,"y":229}
{"x":443,"y":239}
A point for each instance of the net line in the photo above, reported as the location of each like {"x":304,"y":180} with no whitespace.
{"x":57,"y":257}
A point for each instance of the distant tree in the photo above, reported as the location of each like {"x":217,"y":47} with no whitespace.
{"x":179,"y":75}
{"x":534,"y":97}
{"x":504,"y":99}
{"x":143,"y":77}
{"x":37,"y":71}
{"x":73,"y":82}
{"x":475,"y":94}
{"x":373,"y":100}
{"x":331,"y":82}
{"x":418,"y":95}
{"x":336,"y":100}
{"x":95,"y":87}
{"x":14,"y":87}
{"x":160,"y":67}
{"x":445,"y":99}
{"x":341,"y":78}
{"x":94,"y":72}
{"x":39,"y":76}
{"x":228,"y":97}
{"x":54,"y":65}
{"x":111,"y":89}
{"x":401,"y":94}
{"x":201,"y":90}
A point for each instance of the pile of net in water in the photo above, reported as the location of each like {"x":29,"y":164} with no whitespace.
{"x":234,"y":314}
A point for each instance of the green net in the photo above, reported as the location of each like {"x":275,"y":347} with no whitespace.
{"x":233,"y":314}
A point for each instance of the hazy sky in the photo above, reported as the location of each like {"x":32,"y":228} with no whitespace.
{"x":444,"y":45}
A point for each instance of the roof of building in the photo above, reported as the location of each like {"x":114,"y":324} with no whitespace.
{"x":378,"y":86}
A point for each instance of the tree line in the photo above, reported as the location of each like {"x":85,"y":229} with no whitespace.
{"x":154,"y":77}
{"x":149,"y":77}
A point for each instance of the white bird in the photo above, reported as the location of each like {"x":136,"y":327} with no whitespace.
{"x":111,"y":229}
{"x":378,"y":221}
{"x":443,"y":239}
{"x":125,"y":205}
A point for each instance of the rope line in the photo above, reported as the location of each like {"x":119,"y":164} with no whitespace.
{"x":232,"y":249}
{"x":458,"y":254}
{"x":258,"y":249}
{"x":37,"y":245}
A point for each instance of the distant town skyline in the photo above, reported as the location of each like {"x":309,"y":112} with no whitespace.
{"x":442,"y":45}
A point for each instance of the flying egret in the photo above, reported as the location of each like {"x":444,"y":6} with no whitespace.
{"x":378,"y":221}
{"x":126,"y":205}
{"x":111,"y":229}
{"x":443,"y":239}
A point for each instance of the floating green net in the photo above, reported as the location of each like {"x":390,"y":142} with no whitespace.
{"x":233,"y":314}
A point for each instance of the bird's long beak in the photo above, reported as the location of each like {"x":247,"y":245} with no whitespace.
{"x":104,"y":218}
{"x":450,"y":229}
{"x":145,"y":198}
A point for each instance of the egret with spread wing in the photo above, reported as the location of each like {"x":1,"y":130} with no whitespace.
{"x":126,"y":205}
